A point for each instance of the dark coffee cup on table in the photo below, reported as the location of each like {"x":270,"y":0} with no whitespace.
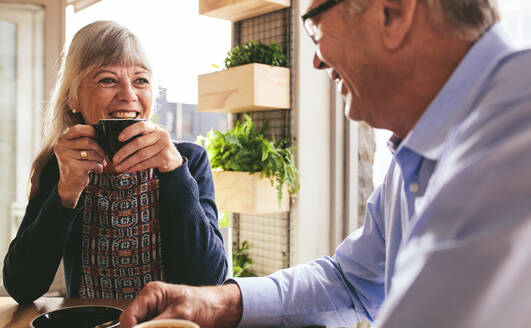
{"x":108,"y":131}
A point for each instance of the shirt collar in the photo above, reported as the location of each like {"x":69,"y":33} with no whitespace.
{"x":456,"y":98}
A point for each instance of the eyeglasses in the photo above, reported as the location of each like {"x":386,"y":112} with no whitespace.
{"x":309,"y":25}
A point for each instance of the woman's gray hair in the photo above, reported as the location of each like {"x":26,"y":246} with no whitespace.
{"x":97,"y":44}
{"x":467,"y":19}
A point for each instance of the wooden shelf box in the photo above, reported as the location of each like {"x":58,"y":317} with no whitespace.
{"x":241,"y":192}
{"x":237,"y":10}
{"x":245,"y":88}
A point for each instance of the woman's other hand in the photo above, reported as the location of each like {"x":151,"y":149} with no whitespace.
{"x":77,"y":154}
{"x":153,"y":148}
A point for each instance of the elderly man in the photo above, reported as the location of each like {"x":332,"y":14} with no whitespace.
{"x":446,"y":236}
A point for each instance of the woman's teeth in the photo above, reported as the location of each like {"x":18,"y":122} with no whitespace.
{"x":123,"y":114}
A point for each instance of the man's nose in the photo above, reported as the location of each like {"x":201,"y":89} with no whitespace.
{"x":318,"y":63}
{"x":127,"y":92}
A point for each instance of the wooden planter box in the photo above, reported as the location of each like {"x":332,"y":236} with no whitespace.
{"x":236,"y":10}
{"x":241,"y":192}
{"x":246,"y":88}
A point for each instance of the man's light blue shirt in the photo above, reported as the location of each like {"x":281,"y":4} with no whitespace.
{"x":447,"y":237}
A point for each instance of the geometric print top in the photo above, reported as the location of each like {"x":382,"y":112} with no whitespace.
{"x":120,"y":243}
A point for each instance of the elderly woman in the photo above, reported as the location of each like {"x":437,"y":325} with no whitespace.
{"x":118,"y":223}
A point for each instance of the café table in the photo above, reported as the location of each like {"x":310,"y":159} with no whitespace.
{"x":13,"y":315}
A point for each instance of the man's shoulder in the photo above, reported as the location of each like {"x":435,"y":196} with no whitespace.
{"x":510,"y":80}
{"x":499,"y":116}
{"x":504,"y":104}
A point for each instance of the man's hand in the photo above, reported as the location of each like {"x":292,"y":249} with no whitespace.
{"x":213,"y":306}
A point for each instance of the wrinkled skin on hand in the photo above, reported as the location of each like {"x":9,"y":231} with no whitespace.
{"x":209,"y":307}
{"x":153,"y":148}
{"x":73,"y":170}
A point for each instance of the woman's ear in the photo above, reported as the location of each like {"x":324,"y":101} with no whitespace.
{"x":71,"y":103}
{"x":396,"y":19}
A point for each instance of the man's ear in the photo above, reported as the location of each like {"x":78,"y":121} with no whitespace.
{"x":396,"y":19}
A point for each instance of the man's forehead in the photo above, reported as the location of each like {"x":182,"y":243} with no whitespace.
{"x":311,"y":4}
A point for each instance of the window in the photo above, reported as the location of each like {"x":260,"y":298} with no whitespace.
{"x":21,"y":78}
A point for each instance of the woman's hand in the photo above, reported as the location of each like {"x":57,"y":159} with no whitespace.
{"x":77,"y":154}
{"x":153,"y":148}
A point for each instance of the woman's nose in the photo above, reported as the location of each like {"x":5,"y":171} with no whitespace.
{"x":127,"y":92}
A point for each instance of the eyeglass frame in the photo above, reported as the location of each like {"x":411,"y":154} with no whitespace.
{"x":314,"y":12}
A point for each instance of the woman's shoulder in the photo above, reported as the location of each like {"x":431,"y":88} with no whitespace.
{"x":50,"y":169}
{"x":48,"y":176}
{"x":197,"y":158}
{"x":189,"y":149}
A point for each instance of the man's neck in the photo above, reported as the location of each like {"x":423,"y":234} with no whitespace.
{"x":431,"y":67}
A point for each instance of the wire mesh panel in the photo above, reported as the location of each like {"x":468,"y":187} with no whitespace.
{"x":265,"y":28}
{"x":276,"y":121}
{"x":269,"y":236}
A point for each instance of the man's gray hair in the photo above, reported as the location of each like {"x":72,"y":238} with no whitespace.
{"x":468,"y":19}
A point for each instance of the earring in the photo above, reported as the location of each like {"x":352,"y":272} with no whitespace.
{"x":74,"y":111}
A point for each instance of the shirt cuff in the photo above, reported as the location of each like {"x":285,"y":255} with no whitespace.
{"x":261,"y":303}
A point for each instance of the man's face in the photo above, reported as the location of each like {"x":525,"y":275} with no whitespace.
{"x":346,"y":50}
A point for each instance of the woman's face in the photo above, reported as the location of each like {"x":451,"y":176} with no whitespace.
{"x":115,"y":91}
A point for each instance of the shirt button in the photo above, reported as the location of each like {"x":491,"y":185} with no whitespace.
{"x":414,"y":187}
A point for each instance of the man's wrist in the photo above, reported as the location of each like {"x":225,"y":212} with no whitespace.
{"x":232,"y":300}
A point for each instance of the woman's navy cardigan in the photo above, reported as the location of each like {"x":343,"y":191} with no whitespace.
{"x":192,"y":246}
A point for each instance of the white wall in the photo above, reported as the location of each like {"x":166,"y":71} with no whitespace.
{"x":311,"y":117}
{"x":515,"y":15}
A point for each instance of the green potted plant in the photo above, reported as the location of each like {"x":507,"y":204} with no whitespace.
{"x":256,"y":52}
{"x":241,"y":262}
{"x":251,"y":174}
{"x":255,"y":78}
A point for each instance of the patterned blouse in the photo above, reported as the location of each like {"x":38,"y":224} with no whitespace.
{"x":121,"y":246}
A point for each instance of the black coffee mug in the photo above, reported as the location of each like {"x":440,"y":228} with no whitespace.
{"x":108,"y":131}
